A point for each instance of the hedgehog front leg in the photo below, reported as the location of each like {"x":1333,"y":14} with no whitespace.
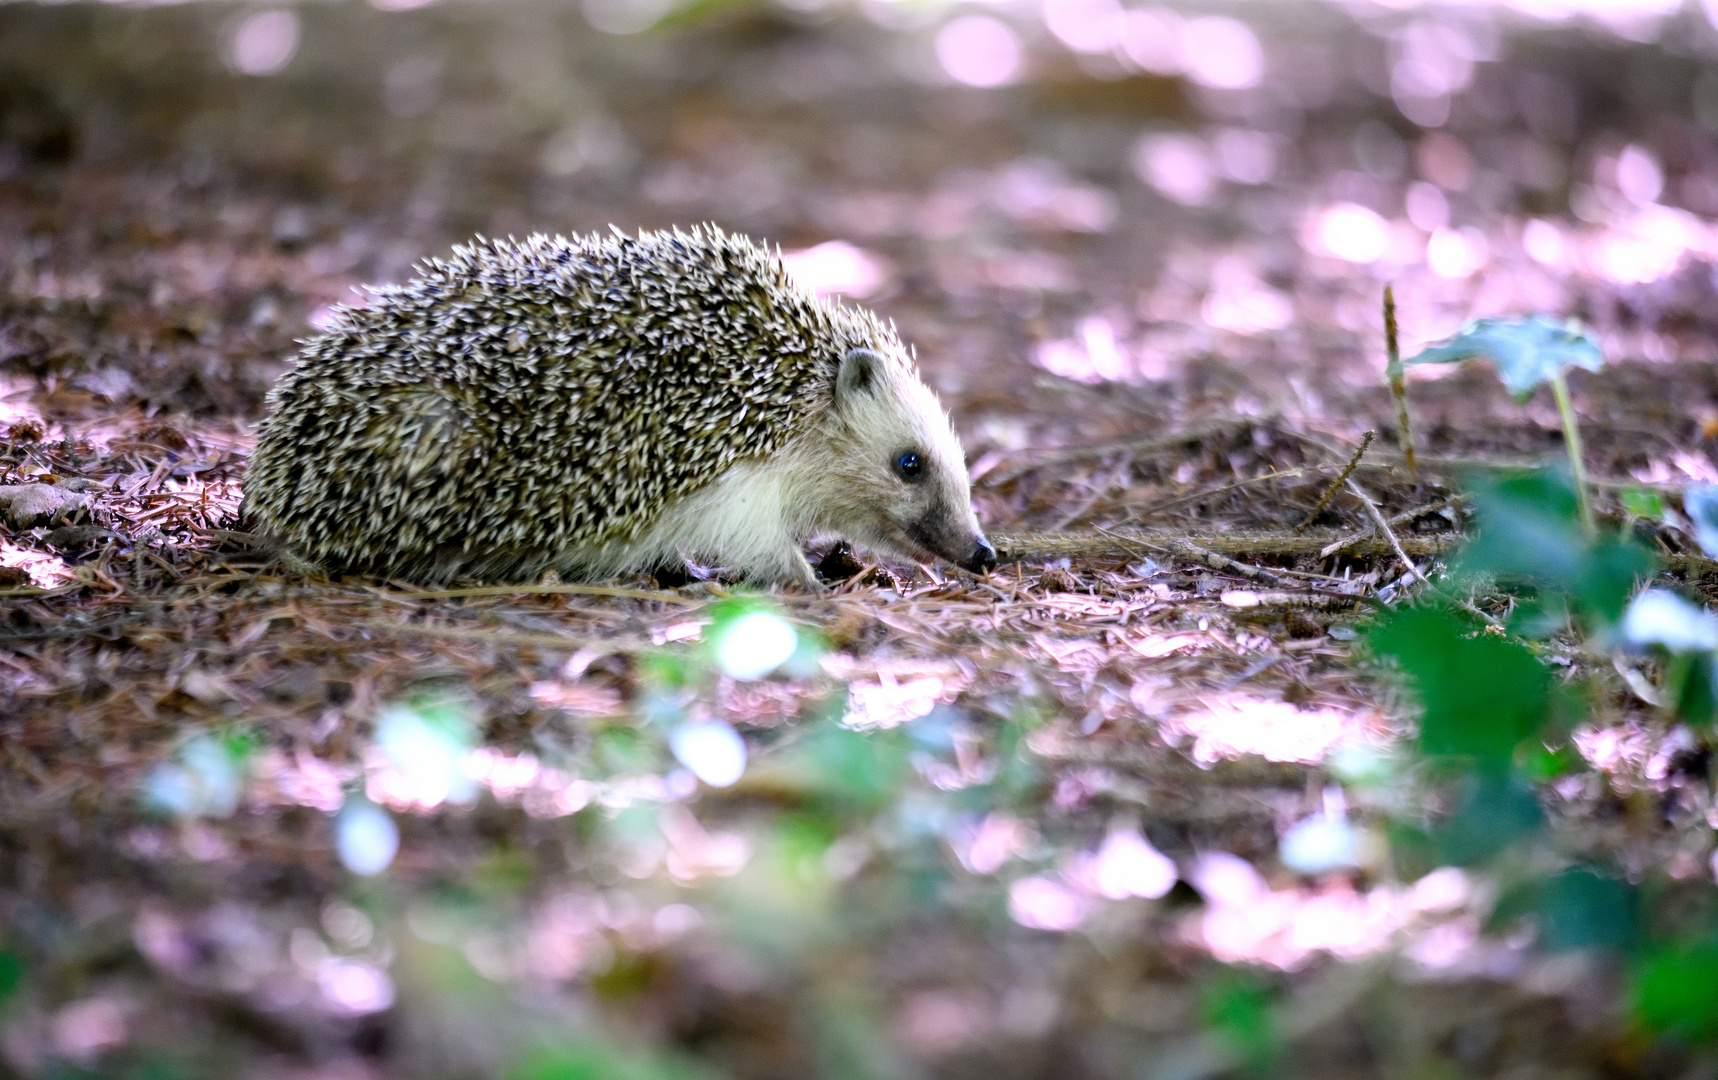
{"x":744,"y":521}
{"x":787,"y":566}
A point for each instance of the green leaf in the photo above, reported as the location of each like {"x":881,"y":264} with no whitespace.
{"x":861,"y":769}
{"x":1689,"y":689}
{"x":592,"y":1060}
{"x":1611,"y":571}
{"x":1528,"y":352}
{"x":662,"y":671}
{"x":1493,"y":811}
{"x":1540,"y":764}
{"x":1236,"y":1006}
{"x":1480,"y":695}
{"x":1642,"y":503}
{"x":1675,"y":991}
{"x":1530,"y":531}
{"x":1580,"y":909}
{"x":11,"y":973}
{"x":1529,"y":528}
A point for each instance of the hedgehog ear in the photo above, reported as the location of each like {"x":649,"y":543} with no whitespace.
{"x":861,"y":371}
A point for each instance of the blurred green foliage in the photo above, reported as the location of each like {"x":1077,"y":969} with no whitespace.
{"x":591,"y":1060}
{"x":11,"y":973}
{"x":1495,"y":723}
{"x":1480,"y":695}
{"x":1530,"y":534}
{"x":1235,"y":1005}
{"x":1674,"y":990}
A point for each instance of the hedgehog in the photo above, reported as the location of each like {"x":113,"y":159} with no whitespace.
{"x":598,"y":405}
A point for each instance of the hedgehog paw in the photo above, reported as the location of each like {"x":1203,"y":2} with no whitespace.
{"x":789,"y":568}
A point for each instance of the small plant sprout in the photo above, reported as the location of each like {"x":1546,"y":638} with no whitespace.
{"x":1528,"y":353}
{"x":1398,"y":384}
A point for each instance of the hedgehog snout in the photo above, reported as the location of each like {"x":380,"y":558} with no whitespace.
{"x":983,"y":558}
{"x":956,"y":541}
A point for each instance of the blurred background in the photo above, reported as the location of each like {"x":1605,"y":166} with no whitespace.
{"x":1092,"y":218}
{"x":1079,"y":187}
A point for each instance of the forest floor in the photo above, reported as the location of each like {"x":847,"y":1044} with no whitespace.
{"x":1153,"y":394}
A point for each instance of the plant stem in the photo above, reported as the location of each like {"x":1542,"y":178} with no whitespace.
{"x":1329,"y":492}
{"x":1572,"y":439}
{"x":1398,"y":385}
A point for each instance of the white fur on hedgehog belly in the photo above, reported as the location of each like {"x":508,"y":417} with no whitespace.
{"x":748,"y":521}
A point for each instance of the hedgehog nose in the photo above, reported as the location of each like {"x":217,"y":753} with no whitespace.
{"x":983,"y":558}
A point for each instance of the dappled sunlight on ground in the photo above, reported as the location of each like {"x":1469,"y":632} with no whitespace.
{"x":1236,"y":724}
{"x":1249,"y":921}
{"x":967,"y":825}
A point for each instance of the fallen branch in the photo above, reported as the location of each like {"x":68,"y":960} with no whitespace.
{"x":1207,"y":557}
{"x":1301,"y":601}
{"x":1384,"y":527}
{"x":1399,"y":519}
{"x":1116,"y":542}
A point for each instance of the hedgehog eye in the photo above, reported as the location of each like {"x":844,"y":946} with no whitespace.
{"x":909,"y":466}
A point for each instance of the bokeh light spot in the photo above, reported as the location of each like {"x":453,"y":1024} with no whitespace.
{"x":1042,"y":904}
{"x":1178,"y":166}
{"x":978,"y":50}
{"x":1353,"y":233}
{"x":712,"y":750}
{"x":1222,"y":53}
{"x":836,"y":267}
{"x":754,"y":645}
{"x":264,"y":43}
{"x":365,"y":837}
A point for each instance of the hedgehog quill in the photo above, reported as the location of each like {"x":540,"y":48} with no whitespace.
{"x":596,"y":405}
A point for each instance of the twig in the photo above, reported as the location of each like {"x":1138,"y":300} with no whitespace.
{"x":1572,"y":439}
{"x":1304,"y":601}
{"x":1209,"y":558}
{"x":1384,"y":527}
{"x":1347,"y":471}
{"x":1019,"y":547}
{"x":1472,"y":609}
{"x":1697,"y":565}
{"x":1399,"y":519}
{"x":36,"y":594}
{"x":1398,"y":383}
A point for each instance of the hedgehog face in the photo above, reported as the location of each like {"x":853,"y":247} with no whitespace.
{"x":896,"y":478}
